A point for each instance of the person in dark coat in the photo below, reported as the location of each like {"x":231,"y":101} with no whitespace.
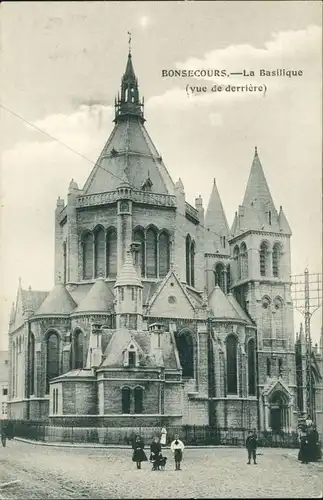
{"x":313,"y":440}
{"x":138,"y":455}
{"x":304,"y":448}
{"x":4,"y":432}
{"x":251,"y":445}
{"x":155,"y":453}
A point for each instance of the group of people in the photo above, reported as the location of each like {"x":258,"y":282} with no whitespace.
{"x":157,"y":458}
{"x":309,"y":450}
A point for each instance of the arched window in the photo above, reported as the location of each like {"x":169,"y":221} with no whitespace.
{"x":268,"y":367}
{"x":125,"y":397}
{"x":163,"y":254}
{"x":244,"y":261}
{"x":276,"y":259}
{"x":52,"y":358}
{"x":280,"y":367}
{"x":99,"y":252}
{"x":228,"y":278}
{"x":31,"y":356}
{"x":232,"y":375}
{"x":185,"y":348}
{"x":139,"y":237}
{"x":111,"y":257}
{"x":14,"y":369}
{"x":279,"y":318}
{"x":263,"y":259}
{"x":87,"y":245}
{"x":236,"y":256}
{"x":151,"y":253}
{"x":266,"y":318}
{"x":251,"y":368}
{"x":78,"y":349}
{"x":188,"y":259}
{"x":219,"y":277}
{"x":193,"y":263}
{"x":64,"y":263}
{"x":138,"y":396}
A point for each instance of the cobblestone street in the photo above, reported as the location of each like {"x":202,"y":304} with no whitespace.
{"x":48,"y":472}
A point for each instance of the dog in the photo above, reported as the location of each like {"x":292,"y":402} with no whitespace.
{"x":162,"y":463}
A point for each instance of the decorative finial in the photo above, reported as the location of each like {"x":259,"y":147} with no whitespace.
{"x":214,"y":181}
{"x":256,"y":151}
{"x":129,"y":41}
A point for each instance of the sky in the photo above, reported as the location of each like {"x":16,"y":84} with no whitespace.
{"x":61,"y":64}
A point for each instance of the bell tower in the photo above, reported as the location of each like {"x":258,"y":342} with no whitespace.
{"x":260,"y":247}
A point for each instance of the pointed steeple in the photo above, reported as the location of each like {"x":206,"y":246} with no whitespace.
{"x":283,"y":223}
{"x":216,"y":224}
{"x":257,"y":191}
{"x":128,"y":103}
{"x":12,"y":314}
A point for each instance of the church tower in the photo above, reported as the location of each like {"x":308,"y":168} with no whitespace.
{"x":260,"y":247}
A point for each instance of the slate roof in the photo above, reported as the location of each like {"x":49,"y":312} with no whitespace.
{"x":58,"y":301}
{"x":32,"y":299}
{"x":226,"y":307}
{"x":216,"y":223}
{"x":128,"y":275}
{"x":99,"y":299}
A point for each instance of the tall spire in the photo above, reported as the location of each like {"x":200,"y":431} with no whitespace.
{"x":216,"y":224}
{"x":128,"y":103}
{"x":257,"y":191}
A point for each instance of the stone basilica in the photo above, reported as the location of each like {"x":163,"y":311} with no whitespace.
{"x":160,"y":314}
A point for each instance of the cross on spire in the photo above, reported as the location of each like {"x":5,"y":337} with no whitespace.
{"x":129,"y":41}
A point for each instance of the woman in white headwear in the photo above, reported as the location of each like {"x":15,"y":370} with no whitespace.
{"x":163,"y":436}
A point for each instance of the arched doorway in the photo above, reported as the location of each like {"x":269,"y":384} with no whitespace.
{"x":278,"y":412}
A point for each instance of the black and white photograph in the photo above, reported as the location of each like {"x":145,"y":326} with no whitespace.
{"x":161,"y":249}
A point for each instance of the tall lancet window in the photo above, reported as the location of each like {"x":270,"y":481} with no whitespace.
{"x":99,"y":252}
{"x":78,"y":349}
{"x":232,"y":373}
{"x":266,"y":318}
{"x":219,"y":277}
{"x":190,"y":260}
{"x":263,"y":259}
{"x":236,"y":256}
{"x":31,"y":356}
{"x":251,"y":368}
{"x":244,"y":261}
{"x":164,"y":251}
{"x":276,"y":259}
{"x":193,"y":263}
{"x":111,"y":257}
{"x":151,"y":253}
{"x":52,"y":358}
{"x":139,"y":237}
{"x":279,"y":318}
{"x":87,"y":247}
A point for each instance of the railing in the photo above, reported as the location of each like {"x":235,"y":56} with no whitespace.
{"x":144,"y":197}
{"x":191,"y":212}
{"x":191,"y":435}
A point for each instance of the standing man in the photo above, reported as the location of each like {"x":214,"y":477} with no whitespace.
{"x":251,"y":445}
{"x":177,"y":448}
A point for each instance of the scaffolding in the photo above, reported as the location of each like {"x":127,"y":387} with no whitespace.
{"x":307,"y":298}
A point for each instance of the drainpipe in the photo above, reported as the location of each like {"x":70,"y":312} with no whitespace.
{"x":28,"y":367}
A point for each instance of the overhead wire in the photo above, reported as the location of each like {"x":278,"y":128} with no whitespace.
{"x":81,"y":155}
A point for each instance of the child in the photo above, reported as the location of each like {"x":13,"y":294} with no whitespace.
{"x":177,"y":448}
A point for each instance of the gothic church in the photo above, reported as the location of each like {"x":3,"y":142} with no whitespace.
{"x":160,"y":314}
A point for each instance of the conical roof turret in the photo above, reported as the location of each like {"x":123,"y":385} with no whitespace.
{"x":283,"y":223}
{"x":216,"y":224}
{"x":128,"y":275}
{"x":58,"y":301}
{"x":98,"y":300}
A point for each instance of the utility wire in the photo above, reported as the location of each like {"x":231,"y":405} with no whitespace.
{"x":79,"y":154}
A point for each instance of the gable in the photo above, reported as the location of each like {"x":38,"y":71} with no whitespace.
{"x":171,"y":300}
